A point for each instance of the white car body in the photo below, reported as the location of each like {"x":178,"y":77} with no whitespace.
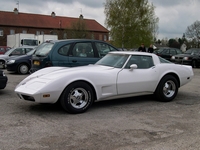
{"x":48,"y":84}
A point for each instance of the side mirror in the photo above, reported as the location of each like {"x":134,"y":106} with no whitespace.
{"x":133,"y":66}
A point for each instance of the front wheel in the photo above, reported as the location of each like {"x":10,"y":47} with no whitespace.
{"x":23,"y":69}
{"x":77,"y":97}
{"x":2,"y":64}
{"x":167,"y":89}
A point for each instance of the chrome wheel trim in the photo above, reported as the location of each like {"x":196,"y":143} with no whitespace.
{"x":169,"y":89}
{"x":78,"y":98}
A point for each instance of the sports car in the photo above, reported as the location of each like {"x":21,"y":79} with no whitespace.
{"x":117,"y":75}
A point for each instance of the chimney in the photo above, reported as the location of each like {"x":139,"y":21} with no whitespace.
{"x":15,"y":11}
{"x":53,"y":14}
{"x":81,"y":17}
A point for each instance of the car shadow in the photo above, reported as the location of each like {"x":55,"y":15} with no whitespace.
{"x":57,"y":108}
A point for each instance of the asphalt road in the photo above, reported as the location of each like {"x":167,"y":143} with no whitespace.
{"x":138,"y":123}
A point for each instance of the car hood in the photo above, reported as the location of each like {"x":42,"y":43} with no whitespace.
{"x":51,"y":73}
{"x":80,"y":70}
{"x":183,"y":55}
{"x":4,"y":56}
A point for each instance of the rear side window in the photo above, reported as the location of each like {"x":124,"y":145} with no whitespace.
{"x":104,"y":48}
{"x":64,"y":50}
{"x":162,"y":60}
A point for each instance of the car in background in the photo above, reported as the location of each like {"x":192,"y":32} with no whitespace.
{"x":69,"y":53}
{"x":117,"y":75}
{"x":13,"y":53}
{"x":167,"y":52}
{"x":4,"y":49}
{"x":3,"y":80}
{"x":20,"y":64}
{"x":190,"y":57}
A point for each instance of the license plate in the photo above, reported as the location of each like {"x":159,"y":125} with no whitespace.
{"x":36,"y":63}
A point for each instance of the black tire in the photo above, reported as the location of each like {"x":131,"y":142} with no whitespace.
{"x":2,"y":63}
{"x":193,"y":63}
{"x":77,"y":97}
{"x":23,"y":69}
{"x":167,"y":89}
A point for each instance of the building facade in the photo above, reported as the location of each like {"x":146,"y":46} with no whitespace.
{"x":17,"y":22}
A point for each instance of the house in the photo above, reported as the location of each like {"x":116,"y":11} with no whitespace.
{"x":18,"y":22}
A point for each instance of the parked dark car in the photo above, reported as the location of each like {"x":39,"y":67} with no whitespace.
{"x":69,"y":53}
{"x":3,"y":80}
{"x":4,"y":49}
{"x":190,"y":57}
{"x":14,"y":52}
{"x":167,"y":52}
{"x":20,"y":64}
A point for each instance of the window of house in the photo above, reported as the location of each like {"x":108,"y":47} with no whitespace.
{"x":24,"y":31}
{"x":100,"y":37}
{"x":65,"y":36}
{"x":12,"y":31}
{"x":1,"y":32}
{"x":37,"y":32}
{"x":105,"y":38}
{"x":92,"y":36}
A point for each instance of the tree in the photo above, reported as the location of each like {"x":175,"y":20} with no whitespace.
{"x":77,"y":30}
{"x":173,"y":43}
{"x":131,"y":22}
{"x":193,"y":33}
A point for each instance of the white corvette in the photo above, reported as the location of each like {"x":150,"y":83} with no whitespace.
{"x":117,"y":75}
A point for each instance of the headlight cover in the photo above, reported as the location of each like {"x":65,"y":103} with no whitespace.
{"x":11,"y":61}
{"x":186,"y":58}
{"x":173,"y":57}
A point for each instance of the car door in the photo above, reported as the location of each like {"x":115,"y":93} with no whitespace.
{"x":142,"y":79}
{"x":82,"y":54}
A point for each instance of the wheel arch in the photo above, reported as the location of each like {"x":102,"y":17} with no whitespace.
{"x":172,"y":74}
{"x":92,"y":87}
{"x":21,"y":63}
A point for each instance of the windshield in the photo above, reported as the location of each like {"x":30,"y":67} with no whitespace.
{"x":192,"y":51}
{"x":31,"y":52}
{"x":113,"y":60}
{"x":44,"y":49}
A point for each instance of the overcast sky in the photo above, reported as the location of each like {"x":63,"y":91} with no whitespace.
{"x":174,"y":15}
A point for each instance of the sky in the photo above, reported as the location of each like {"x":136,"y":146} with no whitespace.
{"x":174,"y":15}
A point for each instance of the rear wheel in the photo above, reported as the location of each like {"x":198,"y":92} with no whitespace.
{"x":77,"y":97}
{"x":23,"y":69}
{"x":167,"y":89}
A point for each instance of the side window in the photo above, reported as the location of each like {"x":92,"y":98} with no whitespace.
{"x":28,"y":50}
{"x":103,"y":48}
{"x":64,"y":50}
{"x":173,"y":52}
{"x":83,"y":50}
{"x":165,"y":51}
{"x":143,"y":62}
{"x":19,"y":51}
{"x":178,"y":51}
